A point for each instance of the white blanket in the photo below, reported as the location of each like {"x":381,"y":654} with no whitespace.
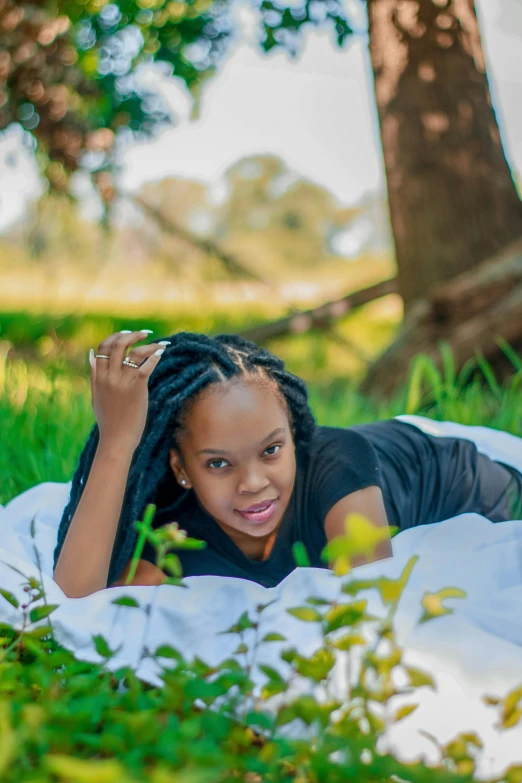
{"x":474,"y":651}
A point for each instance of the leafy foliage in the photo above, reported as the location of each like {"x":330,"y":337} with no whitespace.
{"x":69,"y":71}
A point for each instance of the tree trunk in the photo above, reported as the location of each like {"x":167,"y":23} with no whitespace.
{"x":469,"y":314}
{"x":452,"y":199}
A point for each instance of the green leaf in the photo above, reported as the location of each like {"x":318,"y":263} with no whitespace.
{"x":308,"y":710}
{"x":192,"y":543}
{"x":390,"y":589}
{"x":172,"y":563}
{"x":259,"y":719}
{"x":305,"y":613}
{"x":345,"y":614}
{"x":271,"y":673}
{"x":432,"y":602}
{"x":102,"y":647}
{"x":361,"y":537}
{"x":38,"y":633}
{"x":166,"y":651}
{"x":317,"y":666}
{"x":242,"y":624}
{"x":272,"y":688}
{"x":300,"y":554}
{"x":511,"y":712}
{"x":418,"y":678}
{"x":39,"y":612}
{"x":316,"y":601}
{"x":403,"y":712}
{"x":355,"y":585}
{"x":126,"y":600}
{"x":85,"y":770}
{"x":513,"y":774}
{"x":10,"y":598}
{"x":273,"y":637}
{"x":206,"y":691}
{"x":348,"y":641}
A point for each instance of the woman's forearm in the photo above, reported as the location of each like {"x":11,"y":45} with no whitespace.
{"x":83,"y":564}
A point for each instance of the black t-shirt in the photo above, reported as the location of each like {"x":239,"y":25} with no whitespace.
{"x":339,"y":461}
{"x":423,"y":478}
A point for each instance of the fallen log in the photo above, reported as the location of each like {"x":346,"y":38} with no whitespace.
{"x":470,"y":313}
{"x":320,"y":317}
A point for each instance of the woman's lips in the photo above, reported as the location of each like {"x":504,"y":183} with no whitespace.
{"x":260,"y":516}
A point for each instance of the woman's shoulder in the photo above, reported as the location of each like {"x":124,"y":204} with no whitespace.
{"x":353,"y":438}
{"x":341,"y":450}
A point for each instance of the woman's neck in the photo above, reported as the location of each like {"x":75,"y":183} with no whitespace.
{"x":253,"y":548}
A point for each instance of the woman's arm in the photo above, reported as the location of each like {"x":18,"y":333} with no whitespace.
{"x":368,"y":502}
{"x":120,"y":404}
{"x":83,"y":564}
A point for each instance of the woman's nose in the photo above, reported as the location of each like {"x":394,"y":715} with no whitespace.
{"x":252,"y":480}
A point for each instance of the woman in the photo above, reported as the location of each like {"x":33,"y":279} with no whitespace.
{"x":221,"y":438}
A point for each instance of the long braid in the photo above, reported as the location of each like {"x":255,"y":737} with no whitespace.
{"x":189,"y":365}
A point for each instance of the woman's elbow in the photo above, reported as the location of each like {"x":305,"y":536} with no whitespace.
{"x":146,"y":574}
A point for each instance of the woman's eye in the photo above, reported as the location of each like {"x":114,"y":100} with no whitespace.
{"x":275,"y":446}
{"x":214,"y":461}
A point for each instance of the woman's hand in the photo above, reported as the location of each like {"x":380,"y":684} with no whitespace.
{"x":120,"y":396}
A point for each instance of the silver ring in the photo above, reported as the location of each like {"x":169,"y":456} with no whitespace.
{"x":101,"y":356}
{"x":129,"y":363}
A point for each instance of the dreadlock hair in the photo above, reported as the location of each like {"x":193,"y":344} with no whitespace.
{"x":191,"y":364}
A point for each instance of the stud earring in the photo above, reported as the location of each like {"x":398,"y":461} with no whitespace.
{"x":183,"y":481}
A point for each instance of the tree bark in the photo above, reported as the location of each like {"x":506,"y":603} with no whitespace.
{"x":452,"y":199}
{"x":469,"y":314}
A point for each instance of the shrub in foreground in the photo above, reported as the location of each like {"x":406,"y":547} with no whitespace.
{"x":70,"y":721}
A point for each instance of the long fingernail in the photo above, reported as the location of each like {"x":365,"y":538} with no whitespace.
{"x":125,"y":331}
{"x":91,"y":356}
{"x":164,"y":342}
{"x":147,"y":331}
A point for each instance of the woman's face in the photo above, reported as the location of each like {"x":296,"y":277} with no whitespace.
{"x":238,"y":451}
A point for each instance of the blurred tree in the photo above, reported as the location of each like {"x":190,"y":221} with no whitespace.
{"x":269,"y":219}
{"x":69,"y":71}
{"x":275,"y":218}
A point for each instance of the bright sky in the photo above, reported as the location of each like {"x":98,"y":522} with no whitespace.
{"x":316,"y":112}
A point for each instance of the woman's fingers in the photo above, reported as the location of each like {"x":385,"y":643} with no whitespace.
{"x":146,"y":367}
{"x":120,"y":392}
{"x":115,"y":346}
{"x":119,"y":352}
{"x":140,"y":353}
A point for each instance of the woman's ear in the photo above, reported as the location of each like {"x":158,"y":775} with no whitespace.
{"x":178,"y":470}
